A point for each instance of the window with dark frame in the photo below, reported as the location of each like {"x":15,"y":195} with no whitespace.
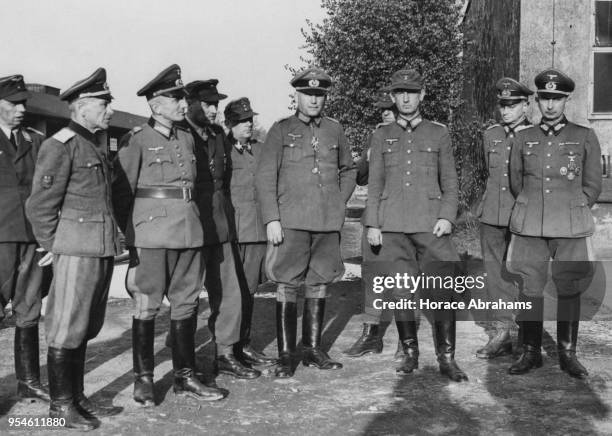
{"x":602,"y":58}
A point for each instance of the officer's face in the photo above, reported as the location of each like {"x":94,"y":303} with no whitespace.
{"x":96,"y":113}
{"x":210,"y":110}
{"x":310,"y":104}
{"x":11,"y":114}
{"x":551,"y":108}
{"x":388,"y":116}
{"x":243,"y":130}
{"x":512,"y":113}
{"x":407,"y":101}
{"x":171,"y":108}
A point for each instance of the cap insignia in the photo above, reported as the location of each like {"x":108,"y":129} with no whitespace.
{"x":505,"y":92}
{"x":551,"y":85}
{"x":313,"y":83}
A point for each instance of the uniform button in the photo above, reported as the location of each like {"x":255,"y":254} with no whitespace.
{"x":547,"y":191}
{"x":547,"y":167}
{"x":407,"y":173}
{"x":184,"y":173}
{"x":158,"y":160}
{"x":88,"y":164}
{"x":550,"y":143}
{"x":505,"y":174}
{"x":503,"y":188}
{"x":508,"y":148}
{"x":181,"y":164}
{"x":507,"y":161}
{"x":428,"y":148}
{"x":320,"y":185}
{"x":407,"y":184}
{"x":408,"y":151}
{"x":410,"y":141}
{"x":150,"y":218}
{"x":409,"y":162}
{"x":178,"y":155}
{"x":548,"y":179}
{"x":80,"y":220}
{"x":547,"y":154}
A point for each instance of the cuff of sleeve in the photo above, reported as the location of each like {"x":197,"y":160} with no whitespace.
{"x":47,"y":244}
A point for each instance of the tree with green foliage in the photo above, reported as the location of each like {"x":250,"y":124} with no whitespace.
{"x":361,"y":43}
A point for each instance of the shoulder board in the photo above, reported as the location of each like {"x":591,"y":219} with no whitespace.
{"x":331,"y":119}
{"x":64,"y":135}
{"x":520,"y":128}
{"x":35,"y":131}
{"x":438,"y":124}
{"x":379,"y":125}
{"x":493,"y":126}
{"x":136,"y":129}
{"x":183,"y":127}
{"x":284,"y":118}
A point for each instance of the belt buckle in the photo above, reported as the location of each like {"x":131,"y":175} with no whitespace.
{"x":187,"y":194}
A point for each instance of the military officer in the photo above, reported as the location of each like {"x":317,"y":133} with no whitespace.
{"x":220,"y":252}
{"x":370,"y":340}
{"x":494,"y":212}
{"x":72,"y":217}
{"x":304,"y":178}
{"x":154,"y":193}
{"x":555,"y":175}
{"x":411,"y":207}
{"x":21,"y":278}
{"x":251,"y":234}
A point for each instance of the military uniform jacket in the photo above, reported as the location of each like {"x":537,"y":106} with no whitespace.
{"x":412,"y":180}
{"x":497,"y":201}
{"x":16,"y":173}
{"x":213,"y":163}
{"x":70,"y":208}
{"x":154,"y":156}
{"x":305,"y":174}
{"x":249,"y":223}
{"x":556,"y":178}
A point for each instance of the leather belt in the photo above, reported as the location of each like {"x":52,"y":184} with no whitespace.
{"x":162,"y":193}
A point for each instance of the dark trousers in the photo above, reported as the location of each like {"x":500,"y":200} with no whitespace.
{"x":22,"y":281}
{"x":312,"y":258}
{"x":221,"y":278}
{"x":161,"y":271}
{"x":77,"y":299}
{"x":410,"y":254}
{"x":500,"y":283}
{"x":252,"y":256}
{"x":572,"y":263}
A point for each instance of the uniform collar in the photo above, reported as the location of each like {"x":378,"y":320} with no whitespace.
{"x":511,"y":129}
{"x":555,"y":128}
{"x":409,"y":124}
{"x":165,"y":131}
{"x":82,"y":131}
{"x":308,"y":120}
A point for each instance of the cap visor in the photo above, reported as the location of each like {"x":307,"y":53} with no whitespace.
{"x":552,"y":94}
{"x":20,"y":96}
{"x":312,"y":91}
{"x":405,"y":87}
{"x":384,"y":105}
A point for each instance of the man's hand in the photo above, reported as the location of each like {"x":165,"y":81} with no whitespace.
{"x":46,"y":259}
{"x":374,"y":236}
{"x":274,"y":232}
{"x":442,"y":227}
{"x":368,"y":154}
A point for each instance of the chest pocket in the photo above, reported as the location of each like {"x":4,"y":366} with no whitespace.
{"x":494,"y":154}
{"x":329,"y":151}
{"x":161,"y":167}
{"x":292,"y":151}
{"x":429,"y":154}
{"x":91,"y":169}
{"x":572,"y":149}
{"x":391,"y":153}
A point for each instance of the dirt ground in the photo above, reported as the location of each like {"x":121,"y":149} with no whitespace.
{"x":364,"y":398}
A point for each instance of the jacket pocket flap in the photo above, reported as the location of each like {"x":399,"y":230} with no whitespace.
{"x":88,"y":162}
{"x":82,"y":216}
{"x":434,"y":195}
{"x":578,"y":202}
{"x":150,"y":215}
{"x":429,"y":148}
{"x":158,"y":158}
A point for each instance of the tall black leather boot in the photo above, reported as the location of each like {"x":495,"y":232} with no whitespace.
{"x":286,"y":330}
{"x":183,"y":362}
{"x":568,"y":315}
{"x":407,"y":331}
{"x":243,"y":349}
{"x":60,"y":364}
{"x":530,"y":328}
{"x":84,"y":405}
{"x":27,"y":366}
{"x":445,"y":346}
{"x":369,"y":342}
{"x":144,"y":361}
{"x":312,"y":326}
